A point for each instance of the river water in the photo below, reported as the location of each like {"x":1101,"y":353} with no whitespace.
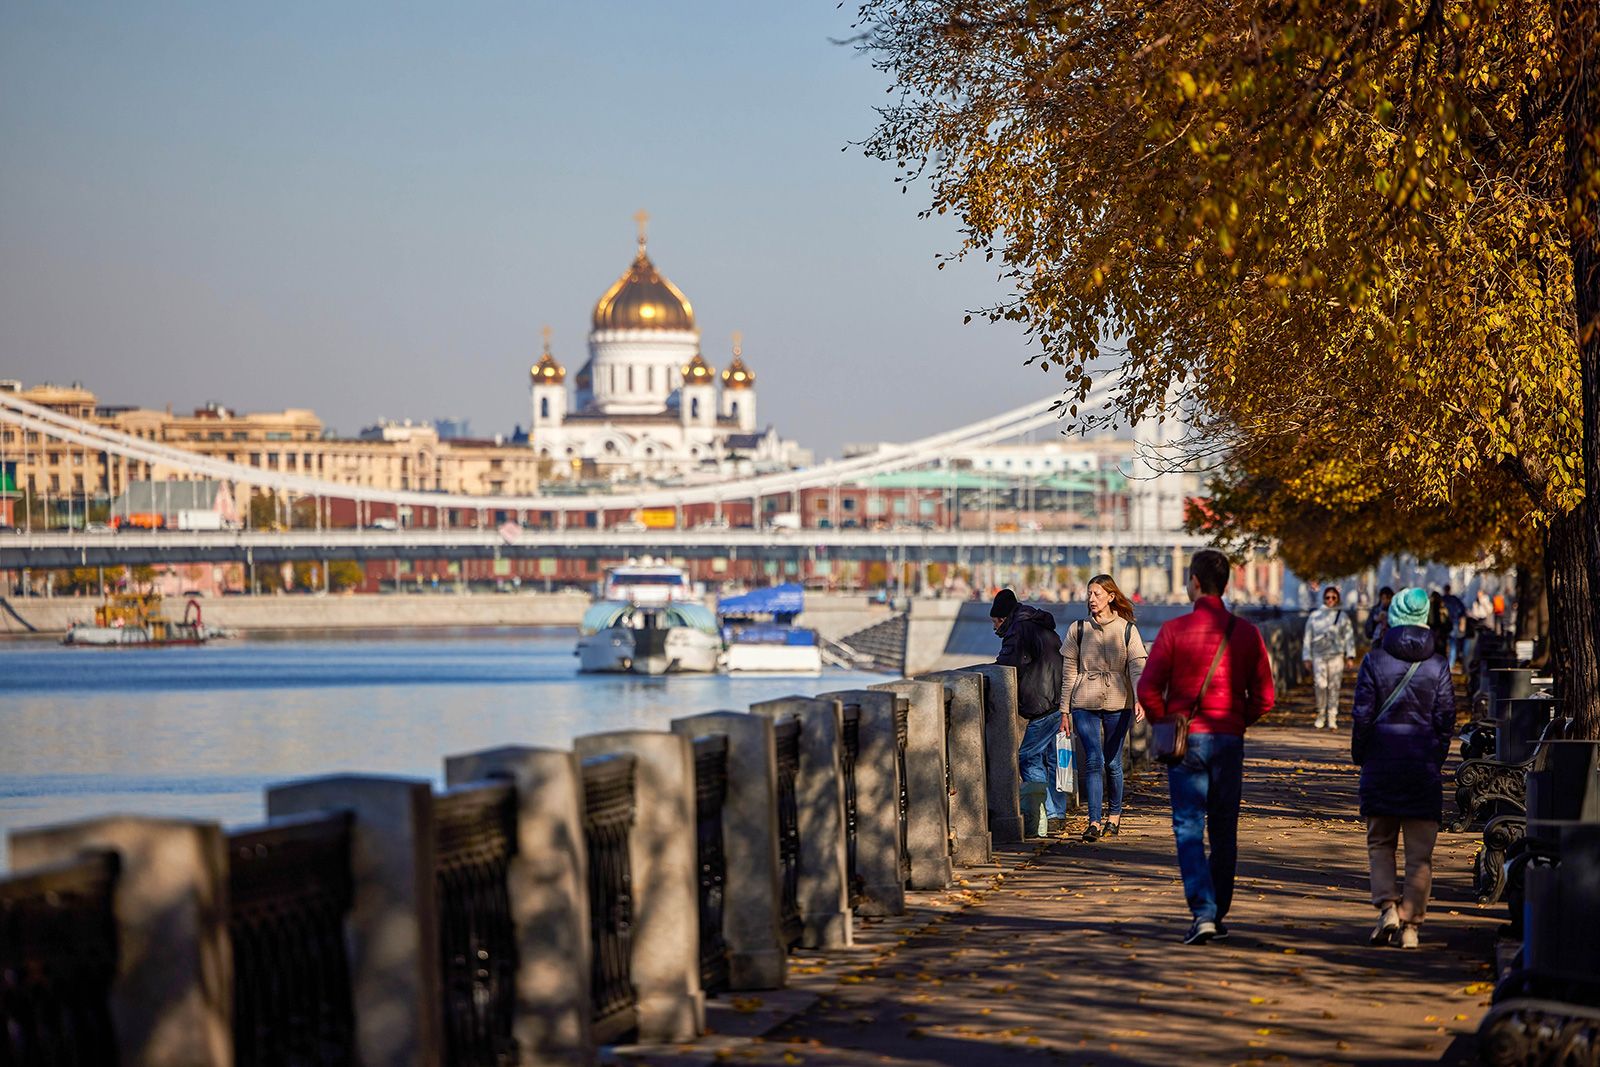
{"x":198,"y":732}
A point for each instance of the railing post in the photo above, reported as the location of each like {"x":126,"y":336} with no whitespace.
{"x":969,"y":779}
{"x":878,"y":843}
{"x":824,"y":892}
{"x":752,"y":925}
{"x":1002,"y":737}
{"x":394,"y":915}
{"x":549,"y":888}
{"x":666,"y":950}
{"x":171,"y":1000}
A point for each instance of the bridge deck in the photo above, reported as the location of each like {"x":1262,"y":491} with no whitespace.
{"x":1071,"y":954}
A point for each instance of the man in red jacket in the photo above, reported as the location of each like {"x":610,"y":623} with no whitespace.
{"x":1206,"y":787}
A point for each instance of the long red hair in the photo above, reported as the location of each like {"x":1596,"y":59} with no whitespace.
{"x":1120,"y":604}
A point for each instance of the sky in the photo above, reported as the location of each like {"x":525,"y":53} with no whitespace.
{"x":371,"y":210}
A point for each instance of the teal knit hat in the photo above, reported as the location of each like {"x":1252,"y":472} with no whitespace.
{"x":1409,"y":607}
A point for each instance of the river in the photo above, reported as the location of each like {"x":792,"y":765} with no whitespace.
{"x":198,"y":732}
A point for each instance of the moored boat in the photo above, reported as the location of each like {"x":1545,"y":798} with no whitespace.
{"x":759,"y":630}
{"x":137,"y":619}
{"x":616,"y":636}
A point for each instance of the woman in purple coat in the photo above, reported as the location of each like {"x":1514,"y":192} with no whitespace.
{"x":1405,"y":716}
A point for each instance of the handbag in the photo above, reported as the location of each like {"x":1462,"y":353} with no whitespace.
{"x":1169,"y":736}
{"x":1066,"y":764}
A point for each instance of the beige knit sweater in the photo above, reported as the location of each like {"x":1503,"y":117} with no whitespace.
{"x":1103,"y":674}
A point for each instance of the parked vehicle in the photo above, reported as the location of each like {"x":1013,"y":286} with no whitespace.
{"x":201,"y":520}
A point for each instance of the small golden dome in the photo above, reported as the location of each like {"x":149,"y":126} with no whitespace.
{"x":642,"y":299}
{"x":696,"y":372}
{"x":738,"y":376}
{"x":547,"y":371}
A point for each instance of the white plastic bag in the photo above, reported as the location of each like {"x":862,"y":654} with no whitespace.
{"x":1066,"y":766}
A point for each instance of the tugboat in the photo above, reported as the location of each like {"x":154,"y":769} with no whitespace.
{"x":127,"y":619}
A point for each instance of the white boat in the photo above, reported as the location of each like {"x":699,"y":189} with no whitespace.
{"x":649,"y":581}
{"x":759,"y":630}
{"x":667,"y":638}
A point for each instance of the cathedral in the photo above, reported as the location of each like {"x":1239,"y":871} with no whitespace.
{"x":646,"y":404}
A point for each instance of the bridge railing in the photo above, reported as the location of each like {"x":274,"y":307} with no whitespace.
{"x":546,"y":903}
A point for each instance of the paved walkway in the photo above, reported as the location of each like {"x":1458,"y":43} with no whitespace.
{"x":1070,"y":953}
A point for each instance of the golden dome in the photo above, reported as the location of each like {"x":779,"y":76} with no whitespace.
{"x":547,"y":371}
{"x":696,"y":372}
{"x":738,"y":376}
{"x":643,"y":300}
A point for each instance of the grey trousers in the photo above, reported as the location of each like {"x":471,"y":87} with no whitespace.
{"x":1383,"y":835}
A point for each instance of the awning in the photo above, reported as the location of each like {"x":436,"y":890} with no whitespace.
{"x":786,"y":599}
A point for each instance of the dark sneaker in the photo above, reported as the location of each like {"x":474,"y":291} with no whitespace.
{"x":1222,"y":932}
{"x":1092,"y":833}
{"x":1202,"y":931}
{"x":1113,"y":829}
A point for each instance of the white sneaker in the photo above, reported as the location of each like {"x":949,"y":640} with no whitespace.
{"x":1388,"y":925}
{"x":1408,"y":936}
{"x":1333,"y":722}
{"x":1320,"y":723}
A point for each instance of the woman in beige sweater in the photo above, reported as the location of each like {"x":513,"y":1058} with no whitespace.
{"x":1104,"y":658}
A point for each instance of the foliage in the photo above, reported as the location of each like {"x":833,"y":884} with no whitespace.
{"x":143,"y":577}
{"x":1331,"y":216}
{"x":345,"y":574}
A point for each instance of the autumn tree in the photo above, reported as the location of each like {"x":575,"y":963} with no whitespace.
{"x":1348,"y":229}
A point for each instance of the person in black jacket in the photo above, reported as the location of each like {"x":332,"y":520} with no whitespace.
{"x":1029,"y":642}
{"x":1405,"y":716}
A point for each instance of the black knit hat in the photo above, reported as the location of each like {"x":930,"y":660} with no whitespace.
{"x":1005,"y":602}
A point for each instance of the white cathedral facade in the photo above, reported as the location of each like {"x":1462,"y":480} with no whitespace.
{"x":646,"y":404}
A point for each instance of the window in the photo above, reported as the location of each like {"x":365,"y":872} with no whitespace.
{"x":630,"y":378}
{"x":733,"y":409}
{"x":544,"y":407}
{"x":278,"y":435}
{"x":694,"y":408}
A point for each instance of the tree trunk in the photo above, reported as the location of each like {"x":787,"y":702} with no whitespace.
{"x":1578,"y":37}
{"x":1572,"y":621}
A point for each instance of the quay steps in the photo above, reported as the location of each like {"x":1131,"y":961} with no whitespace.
{"x":885,"y":642}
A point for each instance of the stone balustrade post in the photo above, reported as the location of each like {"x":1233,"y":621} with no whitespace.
{"x":968,"y":756}
{"x":666,"y":886}
{"x":393,"y":926}
{"x":824,"y":895}
{"x":752,"y":921}
{"x":1002,"y":737}
{"x":548,"y":885}
{"x":877,"y":774}
{"x":928,"y":799}
{"x":172,"y":997}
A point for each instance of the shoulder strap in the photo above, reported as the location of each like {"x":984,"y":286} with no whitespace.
{"x":1394,"y":696}
{"x":1080,"y":646}
{"x":1127,"y":637}
{"x":1222,"y":646}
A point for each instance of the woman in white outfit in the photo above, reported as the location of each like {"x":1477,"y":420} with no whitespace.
{"x":1329,"y":645}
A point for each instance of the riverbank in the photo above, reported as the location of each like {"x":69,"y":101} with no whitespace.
{"x":832,"y":616}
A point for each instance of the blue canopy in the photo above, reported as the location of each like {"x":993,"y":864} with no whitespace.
{"x":787,"y":599}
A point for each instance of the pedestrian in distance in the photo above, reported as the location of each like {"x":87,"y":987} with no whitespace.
{"x":1029,"y":642}
{"x":1378,"y":618}
{"x":1328,"y":646}
{"x":1438,"y":621}
{"x":1404,"y":717}
{"x":1103,"y":658}
{"x":1456,"y":623}
{"x":1211,"y":666}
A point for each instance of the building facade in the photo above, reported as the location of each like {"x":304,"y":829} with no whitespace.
{"x":646,"y":404}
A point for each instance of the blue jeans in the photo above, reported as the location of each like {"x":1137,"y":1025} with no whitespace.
{"x":1036,"y":759}
{"x":1100,"y":737}
{"x":1206,"y":788}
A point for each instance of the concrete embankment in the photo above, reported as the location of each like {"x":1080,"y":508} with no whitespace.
{"x":54,"y":615}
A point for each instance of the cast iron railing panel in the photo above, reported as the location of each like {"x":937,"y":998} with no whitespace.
{"x":710,"y":791}
{"x":607,"y":823}
{"x":849,"y":753}
{"x":58,"y":955}
{"x":289,"y":891}
{"x":475,"y":836}
{"x":902,"y":737}
{"x":949,"y":772}
{"x":786,"y":738}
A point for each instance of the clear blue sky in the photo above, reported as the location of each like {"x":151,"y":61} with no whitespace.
{"x":370,"y":210}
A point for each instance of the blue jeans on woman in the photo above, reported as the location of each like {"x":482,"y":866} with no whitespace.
{"x":1036,"y":759}
{"x":1206,"y":789}
{"x":1100,"y":737}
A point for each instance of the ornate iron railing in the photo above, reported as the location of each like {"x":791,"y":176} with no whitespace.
{"x":902,"y":735}
{"x":475,"y":835}
{"x":849,"y":753}
{"x":289,"y":891}
{"x":58,"y":956}
{"x":608,"y":820}
{"x":949,"y":772}
{"x":786,"y":737}
{"x":710,"y":790}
